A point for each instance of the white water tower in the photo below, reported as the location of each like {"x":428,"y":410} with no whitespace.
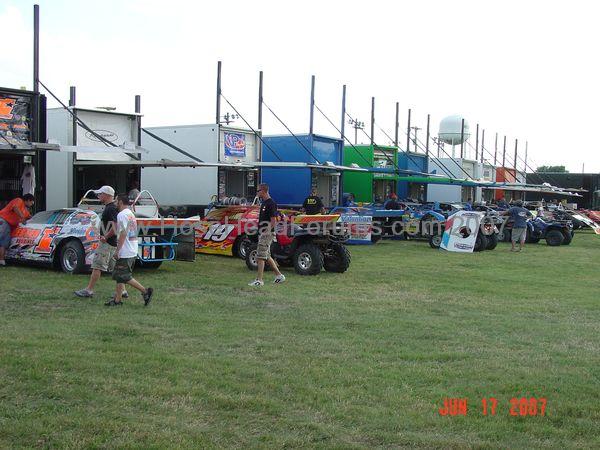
{"x":451,"y":131}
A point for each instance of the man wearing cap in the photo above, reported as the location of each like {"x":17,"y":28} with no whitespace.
{"x":104,"y":255}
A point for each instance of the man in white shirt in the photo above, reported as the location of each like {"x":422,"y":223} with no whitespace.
{"x":126,"y":254}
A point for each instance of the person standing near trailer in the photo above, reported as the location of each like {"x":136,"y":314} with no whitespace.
{"x":313,"y":204}
{"x":267,"y":219}
{"x":519,"y":216}
{"x":126,"y":253}
{"x":14,"y":213}
{"x":392,"y":202}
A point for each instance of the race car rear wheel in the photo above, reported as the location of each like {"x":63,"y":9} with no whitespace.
{"x":481,"y":242}
{"x":337,"y":258}
{"x":251,"y":259}
{"x":72,"y":257}
{"x":308,"y":260}
{"x":435,"y":240}
{"x":492,"y":241}
{"x":240,"y":246}
{"x":554,"y":238}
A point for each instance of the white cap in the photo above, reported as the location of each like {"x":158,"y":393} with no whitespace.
{"x":105,"y":190}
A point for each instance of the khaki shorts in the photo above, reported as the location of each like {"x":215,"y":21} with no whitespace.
{"x":264,"y":245}
{"x":103,"y":257}
{"x":518,"y":234}
{"x":123,"y":270}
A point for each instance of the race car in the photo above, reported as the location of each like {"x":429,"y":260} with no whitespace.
{"x":63,"y":238}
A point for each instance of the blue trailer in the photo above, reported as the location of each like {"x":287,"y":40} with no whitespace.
{"x":418,"y":163}
{"x":291,"y":185}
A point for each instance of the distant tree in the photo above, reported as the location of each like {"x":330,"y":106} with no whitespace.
{"x":555,"y":169}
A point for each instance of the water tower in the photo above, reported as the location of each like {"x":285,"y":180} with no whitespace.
{"x":452,"y":132}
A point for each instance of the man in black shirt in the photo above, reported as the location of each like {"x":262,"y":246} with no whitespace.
{"x":103,"y":256}
{"x":267,"y":219}
{"x":392,"y":202}
{"x":313,"y":204}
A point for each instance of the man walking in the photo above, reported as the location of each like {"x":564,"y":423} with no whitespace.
{"x":126,"y":253}
{"x":104,"y":255}
{"x":267,"y":219}
{"x":14,"y":213}
{"x":519,"y":216}
{"x":313,"y":204}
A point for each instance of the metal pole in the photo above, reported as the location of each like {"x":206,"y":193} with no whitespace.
{"x":462,"y":138}
{"x":138,"y":110}
{"x":408,"y":132}
{"x":36,"y":48}
{"x":427,"y":138}
{"x":397,"y":126}
{"x":496,"y":151}
{"x":343,"y":124}
{"x":72,"y":102}
{"x":72,"y":95}
{"x":477,"y":143}
{"x":515,"y":165}
{"x":260,"y":99}
{"x":482,"y":143}
{"x":504,"y":153}
{"x":526,"y":149}
{"x":312,"y":104}
{"x":218,"y":112}
{"x":372,"y":121}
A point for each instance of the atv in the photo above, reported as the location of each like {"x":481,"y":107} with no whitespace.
{"x":309,"y":244}
{"x":555,"y":232}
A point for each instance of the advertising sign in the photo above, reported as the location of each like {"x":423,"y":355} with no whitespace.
{"x":235,"y":144}
{"x":360,"y":228}
{"x":460,"y":232}
{"x":15,"y":118}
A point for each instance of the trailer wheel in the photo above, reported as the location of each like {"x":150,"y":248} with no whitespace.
{"x":554,"y":238}
{"x":72,"y":257}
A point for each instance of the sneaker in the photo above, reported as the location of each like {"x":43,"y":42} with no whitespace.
{"x":84,"y":293}
{"x":279,"y":279}
{"x":148,"y":296}
{"x":125,"y":294}
{"x":113,"y":303}
{"x":256,"y":283}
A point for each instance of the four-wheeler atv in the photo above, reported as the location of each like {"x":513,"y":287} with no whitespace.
{"x":555,"y":232}
{"x":309,"y":244}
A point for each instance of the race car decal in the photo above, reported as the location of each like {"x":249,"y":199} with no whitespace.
{"x":46,"y":242}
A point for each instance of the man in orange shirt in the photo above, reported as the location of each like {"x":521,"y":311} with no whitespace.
{"x":11,"y":216}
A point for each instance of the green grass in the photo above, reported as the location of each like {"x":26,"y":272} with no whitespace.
{"x":358,"y":360}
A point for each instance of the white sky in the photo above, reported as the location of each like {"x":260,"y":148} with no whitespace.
{"x":521,"y":68}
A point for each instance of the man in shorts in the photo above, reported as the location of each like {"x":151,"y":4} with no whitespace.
{"x":126,"y":253}
{"x":103,"y":256}
{"x":267,"y":218}
{"x":14,"y":213}
{"x":519,"y":216}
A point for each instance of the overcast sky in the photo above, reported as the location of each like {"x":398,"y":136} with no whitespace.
{"x":528,"y":70}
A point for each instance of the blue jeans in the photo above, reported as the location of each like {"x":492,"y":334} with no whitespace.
{"x":4,"y":234}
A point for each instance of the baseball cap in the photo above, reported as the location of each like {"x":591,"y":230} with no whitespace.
{"x":105,"y":190}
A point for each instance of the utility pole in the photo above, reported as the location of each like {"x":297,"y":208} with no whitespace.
{"x":218,"y":112}
{"x":343,"y":124}
{"x":397,"y":126}
{"x":415,"y":128}
{"x":408,"y":131}
{"x":312,"y":104}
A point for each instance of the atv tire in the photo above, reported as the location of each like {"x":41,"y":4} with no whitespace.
{"x":308,"y":260}
{"x":481,"y":242}
{"x":492,"y":241}
{"x":568,"y":237}
{"x":435,"y":240}
{"x":338,"y":259}
{"x":554,"y":238}
{"x":72,"y":257}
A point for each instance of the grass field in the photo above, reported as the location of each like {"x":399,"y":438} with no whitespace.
{"x":358,"y":360}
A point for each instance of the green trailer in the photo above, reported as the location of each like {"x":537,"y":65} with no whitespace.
{"x":369,"y":187}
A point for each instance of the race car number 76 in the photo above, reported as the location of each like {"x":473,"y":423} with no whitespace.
{"x":218,"y":232}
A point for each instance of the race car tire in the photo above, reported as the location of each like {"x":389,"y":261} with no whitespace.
{"x":481,"y":242}
{"x":240,"y":246}
{"x":72,"y":257}
{"x":308,"y":260}
{"x":338,"y":259}
{"x":492,"y":241}
{"x":568,"y":238}
{"x":504,"y":235}
{"x":554,"y":238}
{"x":251,"y":260}
{"x":435,"y":240}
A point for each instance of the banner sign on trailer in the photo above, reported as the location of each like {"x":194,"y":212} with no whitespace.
{"x":361,"y":228}
{"x":15,"y":118}
{"x":460,"y":231}
{"x":235,"y":144}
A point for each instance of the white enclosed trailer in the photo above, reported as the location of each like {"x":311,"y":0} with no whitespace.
{"x":196,"y":187}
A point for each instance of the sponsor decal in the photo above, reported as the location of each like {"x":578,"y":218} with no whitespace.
{"x":235,"y":144}
{"x":106,"y":134}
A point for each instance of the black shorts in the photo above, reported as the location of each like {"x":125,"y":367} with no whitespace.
{"x":123,"y":271}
